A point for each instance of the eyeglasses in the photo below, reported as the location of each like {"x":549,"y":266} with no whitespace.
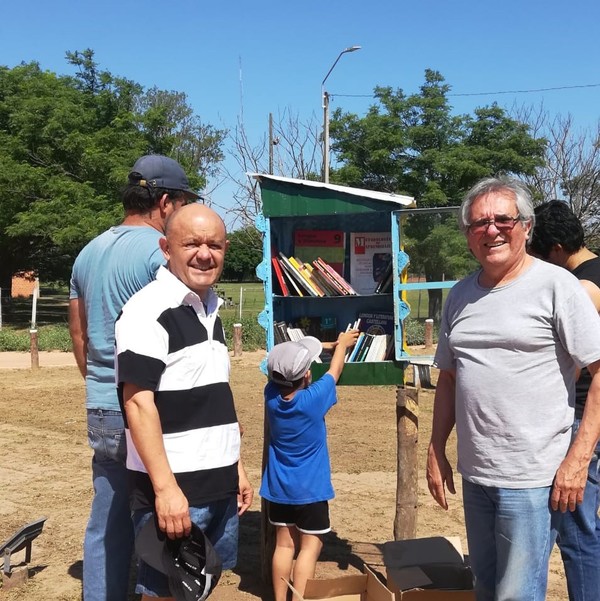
{"x":503,"y":223}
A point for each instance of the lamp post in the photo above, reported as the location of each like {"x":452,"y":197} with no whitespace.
{"x":325,"y":97}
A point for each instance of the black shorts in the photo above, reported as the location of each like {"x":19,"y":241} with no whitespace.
{"x":312,"y":518}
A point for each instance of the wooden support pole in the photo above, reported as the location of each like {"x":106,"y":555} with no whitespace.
{"x":407,"y":419}
{"x":237,"y":339}
{"x":429,"y":333}
{"x":33,"y":345}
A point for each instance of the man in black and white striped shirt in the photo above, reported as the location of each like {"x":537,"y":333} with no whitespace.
{"x":183,"y":437}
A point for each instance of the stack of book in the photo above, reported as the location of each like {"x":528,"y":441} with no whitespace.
{"x":296,"y":278}
{"x":375,"y":342}
{"x":376,"y":339}
{"x":371,"y":347}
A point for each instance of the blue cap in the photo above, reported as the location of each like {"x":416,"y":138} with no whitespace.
{"x":159,"y":171}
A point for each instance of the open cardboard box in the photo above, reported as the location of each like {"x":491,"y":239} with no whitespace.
{"x":355,"y":587}
{"x":428,"y":569}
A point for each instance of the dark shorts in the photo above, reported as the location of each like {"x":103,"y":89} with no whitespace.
{"x":312,"y":518}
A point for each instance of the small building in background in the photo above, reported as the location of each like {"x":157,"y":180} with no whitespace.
{"x":23,"y":284}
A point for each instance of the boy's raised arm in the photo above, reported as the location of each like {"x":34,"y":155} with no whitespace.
{"x":345,"y":340}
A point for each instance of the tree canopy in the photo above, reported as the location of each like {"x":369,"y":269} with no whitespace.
{"x":243,"y":255}
{"x":66,"y":146}
{"x":413,"y":144}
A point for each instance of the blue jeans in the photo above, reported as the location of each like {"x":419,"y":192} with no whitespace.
{"x":510,"y":533}
{"x":579,"y":539}
{"x":219,"y":520}
{"x":108,"y":542}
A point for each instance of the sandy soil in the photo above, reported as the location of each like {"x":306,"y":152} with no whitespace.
{"x":45,"y":471}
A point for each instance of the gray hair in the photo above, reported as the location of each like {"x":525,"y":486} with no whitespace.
{"x":487,"y":185}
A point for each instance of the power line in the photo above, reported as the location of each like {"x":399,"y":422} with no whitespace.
{"x":589,"y":85}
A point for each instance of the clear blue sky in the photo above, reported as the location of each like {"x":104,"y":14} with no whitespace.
{"x":286,"y":48}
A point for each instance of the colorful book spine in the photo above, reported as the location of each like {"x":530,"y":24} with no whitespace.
{"x":302,"y":283}
{"x":290,"y":277}
{"x":336,"y":276}
{"x":298,"y":265}
{"x":279,"y":275}
{"x":321,"y":281}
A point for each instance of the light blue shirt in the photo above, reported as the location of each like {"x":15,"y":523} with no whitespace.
{"x":107,"y":272}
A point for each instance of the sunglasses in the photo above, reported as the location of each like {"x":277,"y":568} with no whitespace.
{"x":503,"y":223}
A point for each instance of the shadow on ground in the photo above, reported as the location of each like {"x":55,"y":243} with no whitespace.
{"x":338,"y":554}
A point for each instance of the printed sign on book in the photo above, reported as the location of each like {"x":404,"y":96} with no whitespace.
{"x":370,"y":256}
{"x":330,"y":245}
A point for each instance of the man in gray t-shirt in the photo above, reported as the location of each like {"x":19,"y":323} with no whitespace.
{"x":512,"y":336}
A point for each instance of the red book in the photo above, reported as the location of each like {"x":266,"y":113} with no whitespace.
{"x":279,"y":275}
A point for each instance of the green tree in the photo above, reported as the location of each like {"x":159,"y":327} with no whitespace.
{"x":66,"y":146}
{"x":243,"y":255}
{"x":413,"y":144}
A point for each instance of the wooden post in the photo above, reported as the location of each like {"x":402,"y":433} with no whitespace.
{"x":33,"y":345}
{"x":429,"y":333}
{"x":237,"y":339}
{"x":407,"y":418}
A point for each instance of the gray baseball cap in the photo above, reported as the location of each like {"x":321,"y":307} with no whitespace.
{"x":160,"y":171}
{"x":287,"y":362}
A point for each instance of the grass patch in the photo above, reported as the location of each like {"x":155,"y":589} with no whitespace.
{"x":50,"y":338}
{"x":56,"y":337}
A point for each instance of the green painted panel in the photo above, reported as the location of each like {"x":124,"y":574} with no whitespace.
{"x":383,"y":373}
{"x":281,"y":199}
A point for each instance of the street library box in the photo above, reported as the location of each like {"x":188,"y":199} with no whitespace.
{"x":312,"y":236}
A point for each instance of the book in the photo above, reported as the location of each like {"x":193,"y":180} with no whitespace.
{"x":359,"y":342}
{"x":370,"y":256}
{"x":345,"y":285}
{"x":323,"y":327}
{"x":279,"y":277}
{"x":303,"y":271}
{"x":364,"y":349}
{"x":386,"y":282}
{"x":376,"y":340}
{"x":376,"y":323}
{"x":331,"y":281}
{"x":295,"y":274}
{"x":319,"y":278}
{"x":378,"y":348}
{"x":293,"y":286}
{"x":280,"y":332}
{"x":330,"y":245}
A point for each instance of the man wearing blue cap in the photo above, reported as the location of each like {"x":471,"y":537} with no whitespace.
{"x":107,"y":272}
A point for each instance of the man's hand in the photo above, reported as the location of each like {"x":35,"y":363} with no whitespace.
{"x":439,"y":475}
{"x":569,"y":484}
{"x":245,"y":491}
{"x":173,"y":513}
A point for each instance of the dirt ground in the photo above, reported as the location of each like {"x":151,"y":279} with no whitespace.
{"x":45,"y":472}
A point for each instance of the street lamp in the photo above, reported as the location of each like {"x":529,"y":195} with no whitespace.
{"x":325,"y":96}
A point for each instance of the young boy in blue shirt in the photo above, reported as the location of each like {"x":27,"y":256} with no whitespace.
{"x":297,"y":479}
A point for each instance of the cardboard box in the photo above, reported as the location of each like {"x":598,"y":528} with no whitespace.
{"x":428,"y":569}
{"x":356,"y":587}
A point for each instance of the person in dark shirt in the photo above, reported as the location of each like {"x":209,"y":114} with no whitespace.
{"x":558,"y":238}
